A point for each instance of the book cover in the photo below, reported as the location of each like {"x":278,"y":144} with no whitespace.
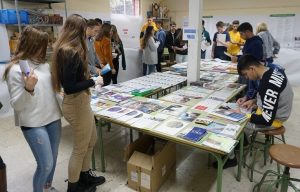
{"x":150,"y":121}
{"x":171,"y":126}
{"x":207,"y":105}
{"x":174,"y":109}
{"x":195,"y":135}
{"x":229,"y":114}
{"x":219,"y":142}
{"x":189,"y":116}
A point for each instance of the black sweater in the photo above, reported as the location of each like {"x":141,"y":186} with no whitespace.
{"x":73,"y":79}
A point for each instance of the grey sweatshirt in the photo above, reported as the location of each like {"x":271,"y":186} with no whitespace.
{"x":92,"y":57}
{"x":275,"y":98}
{"x":270,"y":45}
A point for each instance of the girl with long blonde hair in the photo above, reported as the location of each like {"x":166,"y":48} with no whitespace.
{"x":70,"y":72}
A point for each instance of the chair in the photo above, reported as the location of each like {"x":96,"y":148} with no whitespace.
{"x":270,"y":135}
{"x":289,"y":157}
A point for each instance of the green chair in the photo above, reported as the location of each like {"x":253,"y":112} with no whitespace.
{"x":289,"y":157}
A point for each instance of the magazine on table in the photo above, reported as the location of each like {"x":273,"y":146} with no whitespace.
{"x":228,"y":113}
{"x":228,"y":130}
{"x":149,"y":121}
{"x":146,"y":106}
{"x":174,"y":109}
{"x":219,"y":142}
{"x":130,"y":115}
{"x":190,"y":94}
{"x":221,"y":95}
{"x":116,"y":97}
{"x":195,"y":134}
{"x":98,"y":104}
{"x":188,"y":116}
{"x":171,"y":126}
{"x":114,"y":112}
{"x":207,"y":105}
{"x":175,"y":98}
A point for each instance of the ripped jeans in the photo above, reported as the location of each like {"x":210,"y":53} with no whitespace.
{"x":43,"y":142}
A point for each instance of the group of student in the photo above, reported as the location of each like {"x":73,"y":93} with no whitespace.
{"x":34,"y":96}
{"x":154,"y":39}
{"x":268,"y":95}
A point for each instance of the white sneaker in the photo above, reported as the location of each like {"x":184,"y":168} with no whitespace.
{"x":51,"y":189}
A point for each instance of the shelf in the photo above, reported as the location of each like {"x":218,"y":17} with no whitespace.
{"x":162,"y":18}
{"x":36,"y":25}
{"x":42,"y":1}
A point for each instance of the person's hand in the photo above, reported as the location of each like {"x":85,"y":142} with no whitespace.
{"x":99,"y":81}
{"x":249,"y":104}
{"x":242,"y":100}
{"x":234,"y":59}
{"x":113,"y":71}
{"x":101,"y":65}
{"x":98,"y":71}
{"x":30,"y":81}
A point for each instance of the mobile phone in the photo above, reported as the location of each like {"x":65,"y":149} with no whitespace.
{"x":24,"y":67}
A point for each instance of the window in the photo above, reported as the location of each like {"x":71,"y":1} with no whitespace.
{"x":125,"y":7}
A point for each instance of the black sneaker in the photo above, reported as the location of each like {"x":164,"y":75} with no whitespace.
{"x":229,"y":163}
{"x":79,"y":187}
{"x":89,"y":178}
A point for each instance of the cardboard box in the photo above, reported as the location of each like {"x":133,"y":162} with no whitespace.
{"x":150,"y":163}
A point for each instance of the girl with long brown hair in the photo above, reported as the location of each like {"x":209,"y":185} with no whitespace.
{"x":117,"y":50}
{"x":104,"y":51}
{"x":70,"y":72}
{"x":35,"y":106}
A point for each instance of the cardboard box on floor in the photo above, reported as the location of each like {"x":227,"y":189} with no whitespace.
{"x":148,"y":167}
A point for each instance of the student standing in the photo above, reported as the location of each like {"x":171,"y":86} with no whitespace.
{"x":93,"y":28}
{"x":117,"y":51}
{"x":270,"y":45}
{"x":235,"y":39}
{"x":104,"y":51}
{"x":170,"y":41}
{"x":161,"y":37}
{"x":181,"y":48}
{"x":149,"y":46}
{"x":220,"y":42}
{"x":149,"y":22}
{"x":70,"y":72}
{"x":35,"y":106}
{"x":206,"y":41}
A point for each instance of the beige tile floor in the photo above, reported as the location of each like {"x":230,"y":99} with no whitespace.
{"x":192,"y":172}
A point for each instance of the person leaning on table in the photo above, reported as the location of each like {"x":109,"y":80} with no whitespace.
{"x":274,"y":100}
{"x":70,"y":72}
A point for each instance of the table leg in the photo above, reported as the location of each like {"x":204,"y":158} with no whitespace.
{"x":101,"y":146}
{"x":220,"y":162}
{"x":241,"y":155}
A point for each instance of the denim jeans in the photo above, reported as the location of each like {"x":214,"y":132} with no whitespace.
{"x":181,"y":58}
{"x":149,"y":67}
{"x":44,"y":142}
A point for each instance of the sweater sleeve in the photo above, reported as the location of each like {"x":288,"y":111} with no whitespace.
{"x":18,"y":95}
{"x":152,"y":44}
{"x":72,"y":65}
{"x":271,"y":86}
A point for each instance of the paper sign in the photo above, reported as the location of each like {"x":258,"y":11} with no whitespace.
{"x":134,"y":176}
{"x":189,"y":34}
{"x":145,"y":180}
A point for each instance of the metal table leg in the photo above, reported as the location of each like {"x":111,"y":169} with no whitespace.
{"x":241,"y":155}
{"x":101,"y":146}
{"x":221,"y":163}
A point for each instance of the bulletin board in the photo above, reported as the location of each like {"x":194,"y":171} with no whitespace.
{"x":283,"y":27}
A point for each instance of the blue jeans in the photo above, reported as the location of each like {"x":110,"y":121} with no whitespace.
{"x":203,"y":53}
{"x":150,"y":67}
{"x":44,"y":142}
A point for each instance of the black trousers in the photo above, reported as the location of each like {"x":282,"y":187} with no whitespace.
{"x":159,"y":59}
{"x":107,"y":78}
{"x":114,"y":77}
{"x":3,"y":181}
